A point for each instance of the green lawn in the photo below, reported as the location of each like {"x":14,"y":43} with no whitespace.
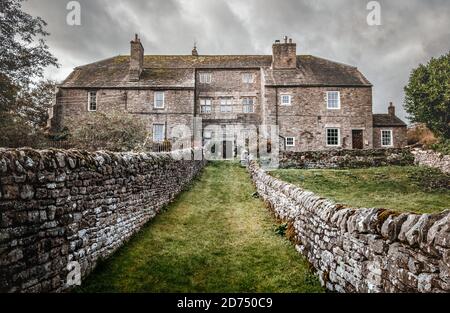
{"x":406,"y":188}
{"x":215,"y":237}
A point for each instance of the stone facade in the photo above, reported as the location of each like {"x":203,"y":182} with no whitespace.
{"x":346,"y":158}
{"x":60,"y":208}
{"x":307,"y":118}
{"x":362,"y":250}
{"x":399,"y":137}
{"x":127,"y":84}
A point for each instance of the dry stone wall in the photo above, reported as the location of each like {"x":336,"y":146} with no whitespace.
{"x":432,"y":159}
{"x":362,"y":250}
{"x":346,"y":158}
{"x":60,"y":207}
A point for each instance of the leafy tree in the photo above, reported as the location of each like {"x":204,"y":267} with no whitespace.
{"x":17,"y":132}
{"x":23,"y":51}
{"x":427,"y":97}
{"x":33,"y":104}
{"x":113,"y":131}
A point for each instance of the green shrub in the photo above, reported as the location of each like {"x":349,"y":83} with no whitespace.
{"x":112,"y":131}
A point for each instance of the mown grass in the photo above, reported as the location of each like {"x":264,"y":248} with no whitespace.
{"x":407,"y":188}
{"x":215,"y":237}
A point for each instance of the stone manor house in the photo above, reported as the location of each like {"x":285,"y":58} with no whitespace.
{"x":317,"y":104}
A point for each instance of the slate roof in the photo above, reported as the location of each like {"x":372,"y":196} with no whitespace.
{"x":380,"y":120}
{"x":179,"y":71}
{"x":316,"y":71}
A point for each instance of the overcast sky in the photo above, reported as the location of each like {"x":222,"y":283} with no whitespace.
{"x":412,"y":31}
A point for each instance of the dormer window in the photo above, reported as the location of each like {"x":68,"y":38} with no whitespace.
{"x":205,"y":78}
{"x":92,"y":101}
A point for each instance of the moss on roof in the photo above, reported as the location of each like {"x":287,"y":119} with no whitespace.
{"x":179,"y":71}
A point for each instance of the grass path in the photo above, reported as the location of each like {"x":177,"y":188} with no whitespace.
{"x":215,"y":237}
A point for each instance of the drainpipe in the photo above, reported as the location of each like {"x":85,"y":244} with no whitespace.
{"x":276,"y":106}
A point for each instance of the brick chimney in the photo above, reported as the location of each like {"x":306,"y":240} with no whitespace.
{"x":284,"y":55}
{"x":391,"y":109}
{"x":136,"y":59}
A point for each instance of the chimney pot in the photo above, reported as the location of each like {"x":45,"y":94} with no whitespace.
{"x":290,"y":40}
{"x":277,"y":41}
{"x":285,"y":39}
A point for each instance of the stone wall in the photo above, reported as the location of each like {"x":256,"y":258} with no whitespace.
{"x":362,"y":250}
{"x":59,"y":206}
{"x":346,"y":158}
{"x":432,"y":159}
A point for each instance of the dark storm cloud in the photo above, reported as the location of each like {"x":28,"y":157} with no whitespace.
{"x":412,"y":31}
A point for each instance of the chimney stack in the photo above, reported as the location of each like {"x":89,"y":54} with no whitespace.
{"x":136,"y":59}
{"x":284,"y":55}
{"x":391,"y":109}
{"x":194,"y":51}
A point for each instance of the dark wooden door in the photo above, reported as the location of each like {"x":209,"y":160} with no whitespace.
{"x":227,"y":149}
{"x":357,"y":139}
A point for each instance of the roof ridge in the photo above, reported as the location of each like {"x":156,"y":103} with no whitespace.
{"x":97,"y":62}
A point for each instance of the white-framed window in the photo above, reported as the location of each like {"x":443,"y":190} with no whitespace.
{"x":158,"y":100}
{"x":226,"y":105}
{"x":92,"y":101}
{"x":333,"y":100}
{"x":386,"y":138}
{"x":247,"y":105}
{"x":290,"y":141}
{"x":247,"y":78}
{"x":205,"y":78}
{"x":285,"y":99}
{"x":333,"y":137}
{"x":205,"y":105}
{"x":158,"y":132}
